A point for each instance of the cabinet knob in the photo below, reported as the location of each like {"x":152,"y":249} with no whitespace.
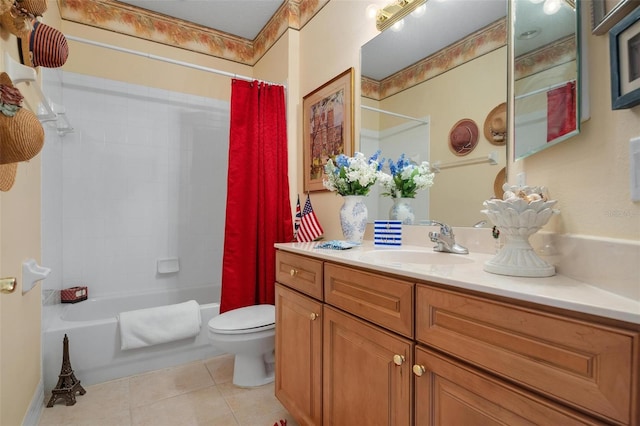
{"x":398,"y":359}
{"x":419,"y":370}
{"x":293,"y":272}
{"x":313,"y":316}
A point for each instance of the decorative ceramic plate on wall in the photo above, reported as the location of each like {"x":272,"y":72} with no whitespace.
{"x":463,"y":137}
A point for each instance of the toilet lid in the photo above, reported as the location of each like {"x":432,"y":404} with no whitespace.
{"x":246,"y":320}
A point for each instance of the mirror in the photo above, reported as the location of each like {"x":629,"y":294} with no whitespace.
{"x":447,"y":63}
{"x":546,"y":73}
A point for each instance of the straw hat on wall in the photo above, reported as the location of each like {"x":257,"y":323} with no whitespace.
{"x":17,"y":16}
{"x":495,"y":125}
{"x":21,"y":134}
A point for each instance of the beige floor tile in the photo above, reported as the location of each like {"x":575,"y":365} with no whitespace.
{"x":184,"y":395}
{"x":103,"y":417}
{"x":101,"y":402}
{"x":200,"y":407}
{"x":158,"y":385}
{"x":260,"y":399}
{"x":271,"y":418}
{"x":221,"y":368}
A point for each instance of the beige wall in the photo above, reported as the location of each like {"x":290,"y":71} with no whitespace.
{"x":330,"y":44}
{"x":19,"y":314}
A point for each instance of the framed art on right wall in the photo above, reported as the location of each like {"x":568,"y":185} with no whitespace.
{"x":624,"y":50}
{"x":606,"y":13}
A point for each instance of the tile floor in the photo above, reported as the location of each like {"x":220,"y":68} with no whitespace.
{"x":198,"y":393}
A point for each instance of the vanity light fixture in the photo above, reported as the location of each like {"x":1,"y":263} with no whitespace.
{"x":396,"y":11}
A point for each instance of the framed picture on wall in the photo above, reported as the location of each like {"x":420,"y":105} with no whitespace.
{"x":606,"y":13}
{"x":327,"y":115}
{"x":624,"y":48}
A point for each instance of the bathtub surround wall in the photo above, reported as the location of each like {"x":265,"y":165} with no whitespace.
{"x":142,"y":178}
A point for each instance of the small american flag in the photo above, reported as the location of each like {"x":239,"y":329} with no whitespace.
{"x":296,"y":223}
{"x":309,"y":229}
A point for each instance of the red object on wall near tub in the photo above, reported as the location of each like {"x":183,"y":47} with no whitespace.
{"x":74,"y":294}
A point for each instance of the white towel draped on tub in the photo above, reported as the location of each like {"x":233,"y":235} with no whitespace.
{"x":152,"y":326}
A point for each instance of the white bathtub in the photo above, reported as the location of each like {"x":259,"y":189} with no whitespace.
{"x":94,"y":337}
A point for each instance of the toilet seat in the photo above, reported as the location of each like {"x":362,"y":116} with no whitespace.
{"x":250,"y":319}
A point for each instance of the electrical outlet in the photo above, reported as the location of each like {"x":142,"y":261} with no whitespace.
{"x":634,"y":168}
{"x":522,"y":179}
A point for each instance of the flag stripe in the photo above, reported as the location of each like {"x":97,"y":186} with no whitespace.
{"x":309,"y":228}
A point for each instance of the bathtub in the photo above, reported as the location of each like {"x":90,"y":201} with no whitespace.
{"x":94,"y":337}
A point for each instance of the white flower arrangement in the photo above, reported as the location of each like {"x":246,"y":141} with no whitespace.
{"x":406,"y":178}
{"x":352,"y":175}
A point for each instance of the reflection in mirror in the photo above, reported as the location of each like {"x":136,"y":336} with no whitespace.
{"x":546,"y":74}
{"x":402,"y":135}
{"x":448,"y":64}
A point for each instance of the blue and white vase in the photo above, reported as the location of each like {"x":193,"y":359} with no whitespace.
{"x":402,"y":210}
{"x":353,"y":218}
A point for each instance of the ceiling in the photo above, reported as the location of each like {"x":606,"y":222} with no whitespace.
{"x":243,"y":18}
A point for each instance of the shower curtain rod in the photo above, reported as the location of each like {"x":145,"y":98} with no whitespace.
{"x":168,"y":60}
{"x":395,"y":114}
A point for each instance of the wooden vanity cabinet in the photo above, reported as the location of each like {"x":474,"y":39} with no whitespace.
{"x":388,"y":351}
{"x":579,"y":364}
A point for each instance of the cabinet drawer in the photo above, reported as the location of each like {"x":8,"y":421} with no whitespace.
{"x":385,"y":301}
{"x":583,"y":364}
{"x":299,"y":272}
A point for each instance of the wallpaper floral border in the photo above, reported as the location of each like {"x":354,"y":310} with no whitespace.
{"x":125,"y":19}
{"x":546,"y":57}
{"x":473,"y":46}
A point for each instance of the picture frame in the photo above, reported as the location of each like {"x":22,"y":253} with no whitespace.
{"x":624,"y":51}
{"x":606,"y":13}
{"x":327,"y":115}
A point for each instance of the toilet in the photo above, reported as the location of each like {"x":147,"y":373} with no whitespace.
{"x":249,"y":334}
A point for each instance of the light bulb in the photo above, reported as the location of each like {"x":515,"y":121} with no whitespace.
{"x":551,"y":6}
{"x":371,"y":11}
{"x":398,"y":26}
{"x":420,"y":10}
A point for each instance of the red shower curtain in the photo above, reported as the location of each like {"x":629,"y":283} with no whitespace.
{"x":258,"y":207}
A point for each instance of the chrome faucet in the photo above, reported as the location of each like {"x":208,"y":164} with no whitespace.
{"x":445,"y":240}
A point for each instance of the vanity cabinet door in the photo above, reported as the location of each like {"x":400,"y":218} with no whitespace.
{"x":366,"y":373}
{"x":452,"y":393}
{"x":298,"y":382}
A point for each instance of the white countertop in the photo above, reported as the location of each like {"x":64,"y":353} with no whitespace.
{"x":557,"y":291}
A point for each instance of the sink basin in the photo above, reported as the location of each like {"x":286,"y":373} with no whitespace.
{"x":421,"y":257}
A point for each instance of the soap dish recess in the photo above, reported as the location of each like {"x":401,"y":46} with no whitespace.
{"x":169,"y":265}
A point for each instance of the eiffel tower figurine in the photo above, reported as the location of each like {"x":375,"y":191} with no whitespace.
{"x":67,"y":385}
